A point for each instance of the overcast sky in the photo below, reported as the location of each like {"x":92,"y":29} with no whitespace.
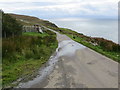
{"x":60,"y":9}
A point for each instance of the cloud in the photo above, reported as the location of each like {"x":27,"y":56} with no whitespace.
{"x":64,"y":1}
{"x":63,"y":7}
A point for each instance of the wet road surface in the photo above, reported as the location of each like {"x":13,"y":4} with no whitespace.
{"x":75,"y":66}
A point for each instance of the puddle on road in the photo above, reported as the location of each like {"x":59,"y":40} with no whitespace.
{"x":68,"y":48}
{"x":65,"y":48}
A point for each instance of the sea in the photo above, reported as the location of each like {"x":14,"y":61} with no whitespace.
{"x":104,"y":28}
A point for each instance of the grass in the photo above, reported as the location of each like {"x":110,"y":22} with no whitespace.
{"x":35,"y":34}
{"x":115,"y":55}
{"x":24,"y":55}
{"x":20,"y":69}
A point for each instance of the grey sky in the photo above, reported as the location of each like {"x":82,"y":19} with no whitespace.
{"x":61,"y":9}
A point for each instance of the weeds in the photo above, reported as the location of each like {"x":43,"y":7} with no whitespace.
{"x":24,"y":54}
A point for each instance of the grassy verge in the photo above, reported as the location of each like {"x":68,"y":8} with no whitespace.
{"x":35,"y":34}
{"x":24,"y":55}
{"x":80,"y":38}
{"x":113,"y":55}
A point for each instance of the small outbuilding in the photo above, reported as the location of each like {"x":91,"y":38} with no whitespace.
{"x":38,"y":28}
{"x":33,"y":28}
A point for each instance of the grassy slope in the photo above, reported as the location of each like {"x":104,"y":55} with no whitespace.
{"x":30,"y":20}
{"x":24,"y":66}
{"x":35,"y":34}
{"x":35,"y":51}
{"x":73,"y":35}
{"x":28,"y":55}
{"x":112,"y":55}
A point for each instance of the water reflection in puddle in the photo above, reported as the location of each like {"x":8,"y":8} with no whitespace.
{"x":68,"y":47}
{"x":65,"y":48}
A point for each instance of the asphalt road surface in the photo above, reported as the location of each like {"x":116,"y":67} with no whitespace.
{"x":76,"y":66}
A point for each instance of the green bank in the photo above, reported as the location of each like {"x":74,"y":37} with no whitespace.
{"x":23,"y":53}
{"x":100,"y":45}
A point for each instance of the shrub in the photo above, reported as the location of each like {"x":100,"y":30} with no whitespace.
{"x":28,"y":47}
{"x":10,"y":26}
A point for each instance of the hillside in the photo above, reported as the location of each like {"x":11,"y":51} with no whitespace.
{"x":23,"y":54}
{"x":30,"y":20}
{"x":101,"y":45}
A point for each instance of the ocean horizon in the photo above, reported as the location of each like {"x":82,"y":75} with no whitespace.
{"x":104,"y":28}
